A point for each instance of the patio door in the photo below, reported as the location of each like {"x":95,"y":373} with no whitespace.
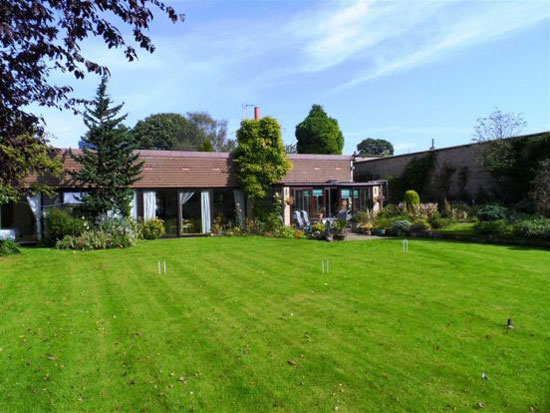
{"x":190,"y":212}
{"x":167,"y":210}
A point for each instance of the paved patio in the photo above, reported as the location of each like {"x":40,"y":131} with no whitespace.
{"x":353,"y":236}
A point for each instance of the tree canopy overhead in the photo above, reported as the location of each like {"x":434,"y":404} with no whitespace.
{"x":375,"y":147}
{"x":41,"y":36}
{"x":318,"y":133}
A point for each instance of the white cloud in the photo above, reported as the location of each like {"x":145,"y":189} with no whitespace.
{"x":221,"y":62}
{"x":450,"y":29}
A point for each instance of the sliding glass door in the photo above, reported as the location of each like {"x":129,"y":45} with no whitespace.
{"x":190,"y":204}
{"x":167,"y":210}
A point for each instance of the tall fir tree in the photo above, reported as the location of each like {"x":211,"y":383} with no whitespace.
{"x":109,"y":164}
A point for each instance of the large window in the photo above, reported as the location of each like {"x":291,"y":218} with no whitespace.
{"x":224,"y":210}
{"x":167,"y":210}
{"x":346,"y":201}
{"x":312,"y":200}
{"x":191,"y":218}
{"x":19,"y":216}
{"x":362,"y":199}
{"x":318,"y":209}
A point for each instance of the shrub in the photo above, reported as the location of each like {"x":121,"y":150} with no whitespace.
{"x":425,"y":211}
{"x":538,"y":228}
{"x":317,"y":231}
{"x":411,"y":200}
{"x":457,"y":211}
{"x":419,"y":227}
{"x":122,"y":230}
{"x":273,"y":222}
{"x":386,"y":223}
{"x":8,"y":247}
{"x":96,"y":239}
{"x":153,"y":228}
{"x":437,"y":221}
{"x":299,"y":234}
{"x":254,"y":226}
{"x":525,"y":206}
{"x":389,"y":211}
{"x":400,"y":227}
{"x":339,"y":226}
{"x":60,"y":223}
{"x":285,"y":232}
{"x":492,"y":213}
{"x":497,"y":228}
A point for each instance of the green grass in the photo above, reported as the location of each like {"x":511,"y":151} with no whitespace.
{"x":251,"y":324}
{"x":460,"y":228}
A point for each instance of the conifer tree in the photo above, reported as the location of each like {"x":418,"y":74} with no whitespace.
{"x":319,"y":133}
{"x":109,"y":165}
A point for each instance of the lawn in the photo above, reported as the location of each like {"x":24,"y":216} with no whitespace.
{"x":460,"y":228}
{"x":252,"y":324}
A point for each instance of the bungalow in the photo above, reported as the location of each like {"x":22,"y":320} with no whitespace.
{"x":197,"y":192}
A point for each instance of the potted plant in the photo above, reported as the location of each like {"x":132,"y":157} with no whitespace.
{"x":339,"y":229}
{"x":381,"y":231}
{"x":354,"y":221}
{"x":366,"y":228}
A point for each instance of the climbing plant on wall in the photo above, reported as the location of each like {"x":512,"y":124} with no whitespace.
{"x":415,"y":176}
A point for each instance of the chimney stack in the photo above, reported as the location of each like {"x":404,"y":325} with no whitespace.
{"x":256,"y":113}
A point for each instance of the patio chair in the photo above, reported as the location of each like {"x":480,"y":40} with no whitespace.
{"x":305,"y":217}
{"x":343,"y":214}
{"x":298,"y":220}
{"x":328,"y":230}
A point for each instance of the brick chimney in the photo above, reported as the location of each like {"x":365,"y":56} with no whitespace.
{"x":256,"y":113}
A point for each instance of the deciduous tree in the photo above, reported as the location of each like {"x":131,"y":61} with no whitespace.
{"x":41,"y":36}
{"x":205,"y":127}
{"x":165,"y":131}
{"x":375,"y":147}
{"x":494,"y":130}
{"x":28,"y":157}
{"x":206,"y":146}
{"x":172,"y":131}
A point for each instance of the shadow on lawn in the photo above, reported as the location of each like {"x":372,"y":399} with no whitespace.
{"x":518,"y":245}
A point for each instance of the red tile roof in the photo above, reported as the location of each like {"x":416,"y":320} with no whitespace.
{"x":179,"y":169}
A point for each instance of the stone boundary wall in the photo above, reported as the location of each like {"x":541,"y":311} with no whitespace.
{"x":464,"y":159}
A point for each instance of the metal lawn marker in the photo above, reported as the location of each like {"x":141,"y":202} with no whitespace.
{"x":160,"y":267}
{"x":325,"y":266}
{"x":405,"y":245}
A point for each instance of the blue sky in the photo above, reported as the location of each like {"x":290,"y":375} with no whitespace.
{"x":406,"y":71}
